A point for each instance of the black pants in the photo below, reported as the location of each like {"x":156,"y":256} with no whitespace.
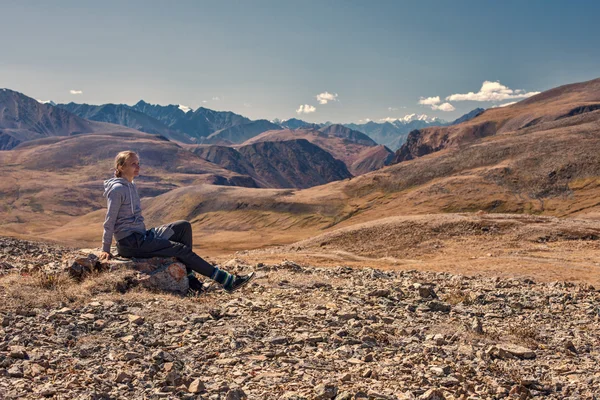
{"x":171,"y":240}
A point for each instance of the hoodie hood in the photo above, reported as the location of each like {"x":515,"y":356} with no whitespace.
{"x":110,"y":183}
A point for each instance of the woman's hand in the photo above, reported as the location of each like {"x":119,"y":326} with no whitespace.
{"x":105,"y":256}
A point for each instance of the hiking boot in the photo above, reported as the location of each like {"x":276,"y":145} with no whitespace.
{"x":238,"y":282}
{"x":195,"y":285}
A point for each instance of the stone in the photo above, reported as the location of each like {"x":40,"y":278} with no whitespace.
{"x":379,"y":293}
{"x":507,"y":350}
{"x":135,"y":319}
{"x":476,"y":326}
{"x":196,"y":386}
{"x":17,"y":352}
{"x":15,"y":372}
{"x":128,"y":338}
{"x":433,"y":394}
{"x":236,"y":394}
{"x":427,"y":292}
{"x":325,"y":391}
{"x":122,"y":377}
{"x":438,"y":306}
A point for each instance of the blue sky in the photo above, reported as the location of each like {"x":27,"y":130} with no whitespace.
{"x":264,"y":59}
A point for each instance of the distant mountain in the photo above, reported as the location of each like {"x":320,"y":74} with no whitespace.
{"x":23,"y":119}
{"x":346,"y":133}
{"x":285,"y":164}
{"x":393,"y":133}
{"x":197,"y":124}
{"x":294,"y":123}
{"x":342,"y":143}
{"x":242,"y":132}
{"x":123,"y":114}
{"x":468,"y":116}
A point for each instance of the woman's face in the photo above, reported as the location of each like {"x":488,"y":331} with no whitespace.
{"x":131,"y":168}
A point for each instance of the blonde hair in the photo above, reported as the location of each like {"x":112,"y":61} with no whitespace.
{"x":121,"y":159}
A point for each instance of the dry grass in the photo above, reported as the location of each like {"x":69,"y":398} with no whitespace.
{"x":42,"y":290}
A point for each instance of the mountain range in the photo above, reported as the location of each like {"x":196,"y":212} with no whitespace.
{"x":537,"y":156}
{"x":205,"y":126}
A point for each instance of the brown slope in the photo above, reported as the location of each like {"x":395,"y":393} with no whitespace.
{"x":341,"y":148}
{"x":538,"y":113}
{"x":286,"y":164}
{"x":371,"y":159}
{"x":49,"y":180}
{"x":293,"y":164}
{"x":23,"y":118}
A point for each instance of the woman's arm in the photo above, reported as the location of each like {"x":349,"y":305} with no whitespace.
{"x":114,"y":199}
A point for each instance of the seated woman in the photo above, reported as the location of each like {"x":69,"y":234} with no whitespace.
{"x":124,"y":221}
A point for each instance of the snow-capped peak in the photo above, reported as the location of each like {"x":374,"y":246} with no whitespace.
{"x":183,"y":108}
{"x":46,"y":102}
{"x":416,"y":117}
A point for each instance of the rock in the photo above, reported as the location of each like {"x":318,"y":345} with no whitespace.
{"x":157,"y":273}
{"x":433,"y":394}
{"x":379,"y":293}
{"x":520,"y":392}
{"x":236,"y":394}
{"x":99,"y":324}
{"x":344,"y":396}
{"x":476,"y":326}
{"x":278,"y":340}
{"x":81,"y":267}
{"x":135,"y":319}
{"x":568,"y":345}
{"x":15,"y":372}
{"x":345,"y":316}
{"x":200,"y":318}
{"x":17,"y":352}
{"x":507,"y":350}
{"x":122,"y":377}
{"x":292,"y":396}
{"x":427,"y":292}
{"x":325,"y":391}
{"x":128,"y":338}
{"x":438,"y":306}
{"x":196,"y":386}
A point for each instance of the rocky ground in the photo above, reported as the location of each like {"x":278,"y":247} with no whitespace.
{"x":297,"y":332}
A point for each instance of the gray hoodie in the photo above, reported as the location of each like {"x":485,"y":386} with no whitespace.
{"x":124,"y":214}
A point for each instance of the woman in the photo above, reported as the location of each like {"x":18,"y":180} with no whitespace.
{"x":124,"y":221}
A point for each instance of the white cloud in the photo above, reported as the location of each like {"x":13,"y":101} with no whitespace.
{"x":363,"y":121}
{"x":183,"y":108}
{"x":248,"y":105}
{"x":492,"y":91}
{"x":325,"y":97}
{"x":217,"y":98}
{"x":388,"y":119}
{"x":305,"y":109}
{"x":434,"y":103}
{"x":444,"y":107}
{"x":75,"y":91}
{"x":205,"y":101}
{"x":430,"y":101}
{"x":507,"y":104}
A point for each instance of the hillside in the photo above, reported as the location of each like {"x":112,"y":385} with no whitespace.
{"x":542,"y":112}
{"x":287,"y":164}
{"x":342,"y":143}
{"x":241,"y":132}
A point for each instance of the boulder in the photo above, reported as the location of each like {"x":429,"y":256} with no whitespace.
{"x":156,"y":273}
